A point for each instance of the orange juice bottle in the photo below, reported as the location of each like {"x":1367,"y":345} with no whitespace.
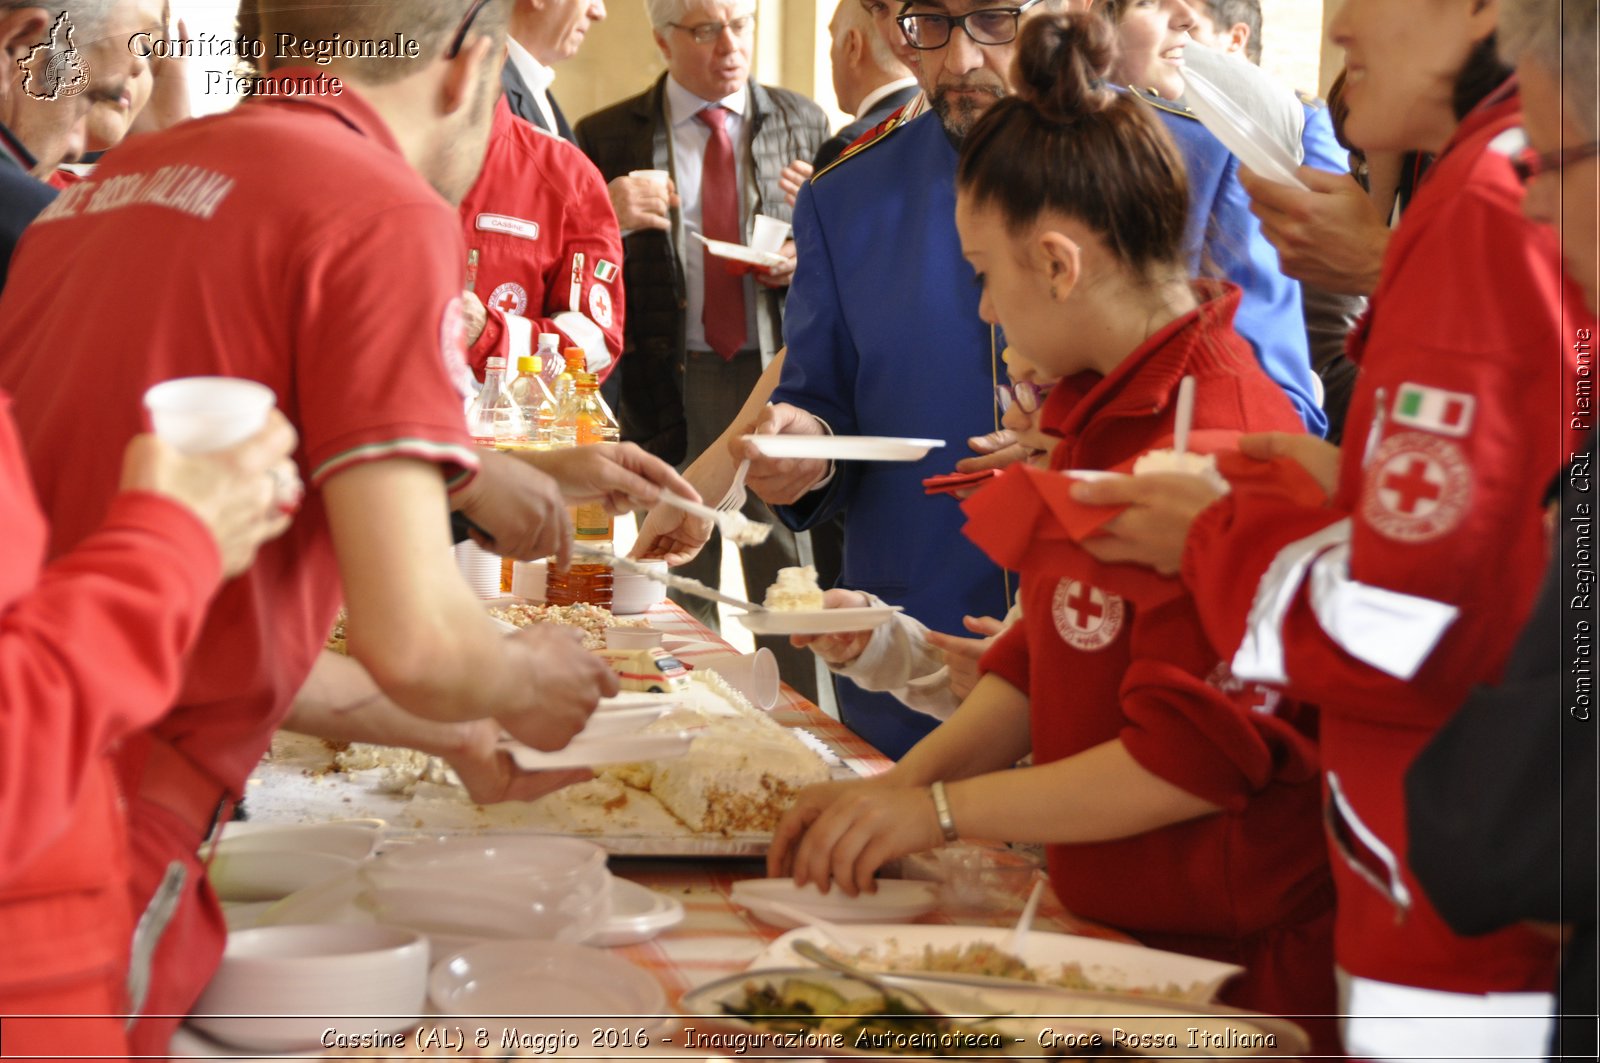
{"x":587,"y":581}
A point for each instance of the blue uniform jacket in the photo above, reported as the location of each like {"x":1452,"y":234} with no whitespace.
{"x":884,"y":338}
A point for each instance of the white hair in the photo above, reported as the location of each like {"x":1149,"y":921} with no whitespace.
{"x":663,"y":13}
{"x":1562,"y":37}
{"x":89,"y":17}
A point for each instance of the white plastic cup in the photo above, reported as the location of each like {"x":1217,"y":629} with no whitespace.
{"x":755,"y":675}
{"x":479,"y":568}
{"x":657,"y":177}
{"x":768,"y":234}
{"x":528,"y":580}
{"x":201,"y":414}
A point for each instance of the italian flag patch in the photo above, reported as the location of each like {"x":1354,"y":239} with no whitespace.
{"x":605,"y":272}
{"x":1448,"y":413}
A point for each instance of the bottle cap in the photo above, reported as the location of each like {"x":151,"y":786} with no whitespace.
{"x":495,"y":362}
{"x":528,"y":363}
{"x":551,"y":340}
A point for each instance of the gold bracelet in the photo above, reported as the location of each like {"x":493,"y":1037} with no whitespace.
{"x":941,"y":808}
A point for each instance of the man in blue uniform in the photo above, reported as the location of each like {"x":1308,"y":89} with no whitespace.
{"x":884,"y":338}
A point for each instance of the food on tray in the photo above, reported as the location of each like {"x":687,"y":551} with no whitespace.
{"x":591,"y":620}
{"x":987,"y":959}
{"x":651,"y":669}
{"x":871,"y":1018}
{"x":740,"y":775}
{"x":1201,"y":465}
{"x":795,"y":590}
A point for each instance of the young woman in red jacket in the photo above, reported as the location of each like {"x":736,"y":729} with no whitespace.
{"x":1175,"y":802}
{"x":91,"y":650}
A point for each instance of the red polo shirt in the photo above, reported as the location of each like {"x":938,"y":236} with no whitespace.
{"x":287,"y":242}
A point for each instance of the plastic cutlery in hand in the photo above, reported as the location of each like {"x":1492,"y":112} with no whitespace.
{"x":739,"y":529}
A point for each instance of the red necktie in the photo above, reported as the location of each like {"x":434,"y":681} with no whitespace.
{"x":719,"y":220}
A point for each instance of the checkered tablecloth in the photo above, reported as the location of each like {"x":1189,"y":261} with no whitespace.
{"x":718,"y":938}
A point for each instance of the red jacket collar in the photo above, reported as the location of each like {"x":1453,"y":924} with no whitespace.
{"x":1503,"y":102}
{"x":349,"y":107}
{"x":1148,"y":378}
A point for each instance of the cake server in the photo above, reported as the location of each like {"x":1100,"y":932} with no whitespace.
{"x":683,"y":583}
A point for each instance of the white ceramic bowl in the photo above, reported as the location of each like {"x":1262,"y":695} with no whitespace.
{"x":547,"y":979}
{"x":280,"y":988}
{"x":491,"y":886}
{"x":632,"y":593}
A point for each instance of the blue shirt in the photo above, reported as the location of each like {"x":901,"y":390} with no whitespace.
{"x":22,"y":196}
{"x":884,"y":338}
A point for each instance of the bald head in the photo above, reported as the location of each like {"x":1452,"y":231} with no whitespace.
{"x":862,"y":58}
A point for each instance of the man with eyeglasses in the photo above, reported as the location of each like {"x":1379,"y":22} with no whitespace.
{"x":307,"y":244}
{"x":884,"y":338}
{"x":697,"y":334}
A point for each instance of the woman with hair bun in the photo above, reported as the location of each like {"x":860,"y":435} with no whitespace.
{"x":1175,"y":803}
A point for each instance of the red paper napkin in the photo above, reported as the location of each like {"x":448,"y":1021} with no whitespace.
{"x":1028,"y":521}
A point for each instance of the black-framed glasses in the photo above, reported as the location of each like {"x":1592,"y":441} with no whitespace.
{"x":466,"y":27}
{"x":989,"y":25}
{"x":1025,"y":395}
{"x":706,"y":32}
{"x":1528,"y":164}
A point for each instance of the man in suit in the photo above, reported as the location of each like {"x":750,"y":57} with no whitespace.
{"x":869,"y":80}
{"x":543,"y":33}
{"x":698,"y":336}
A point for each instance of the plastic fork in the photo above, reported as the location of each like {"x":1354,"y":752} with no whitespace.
{"x":734,"y":500}
{"x":739,"y":529}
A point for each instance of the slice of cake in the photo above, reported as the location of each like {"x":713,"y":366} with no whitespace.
{"x":1201,"y":465}
{"x":795,"y":590}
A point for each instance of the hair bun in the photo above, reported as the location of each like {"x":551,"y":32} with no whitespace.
{"x":1062,"y":61}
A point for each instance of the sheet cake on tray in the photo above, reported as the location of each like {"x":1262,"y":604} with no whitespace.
{"x":722,"y":798}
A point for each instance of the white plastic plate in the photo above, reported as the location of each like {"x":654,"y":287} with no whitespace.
{"x":638,"y":913}
{"x":547,"y":979}
{"x":1239,"y":132}
{"x":741,"y":253}
{"x":583,"y":751}
{"x":1111,"y":965}
{"x":844,"y":448}
{"x":896,"y":900}
{"x":816,"y":621}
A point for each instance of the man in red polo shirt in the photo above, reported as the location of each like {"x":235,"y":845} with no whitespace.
{"x":548,"y":250}
{"x":295,"y":241}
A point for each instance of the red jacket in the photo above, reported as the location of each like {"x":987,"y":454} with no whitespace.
{"x":1388,"y":605}
{"x":549,"y":250}
{"x":1242,"y":885}
{"x":91,"y":648}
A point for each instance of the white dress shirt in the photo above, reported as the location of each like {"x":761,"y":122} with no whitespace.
{"x":870,"y":100}
{"x":537,"y":77}
{"x":689,"y":139}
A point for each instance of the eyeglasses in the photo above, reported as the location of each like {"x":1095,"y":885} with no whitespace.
{"x":1528,"y":164}
{"x":989,"y":25}
{"x":706,"y":32}
{"x":466,"y":25}
{"x":1027,"y":396}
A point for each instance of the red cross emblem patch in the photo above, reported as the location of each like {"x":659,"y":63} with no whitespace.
{"x":1086,"y":617}
{"x":511,"y":299}
{"x":1418,"y":488}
